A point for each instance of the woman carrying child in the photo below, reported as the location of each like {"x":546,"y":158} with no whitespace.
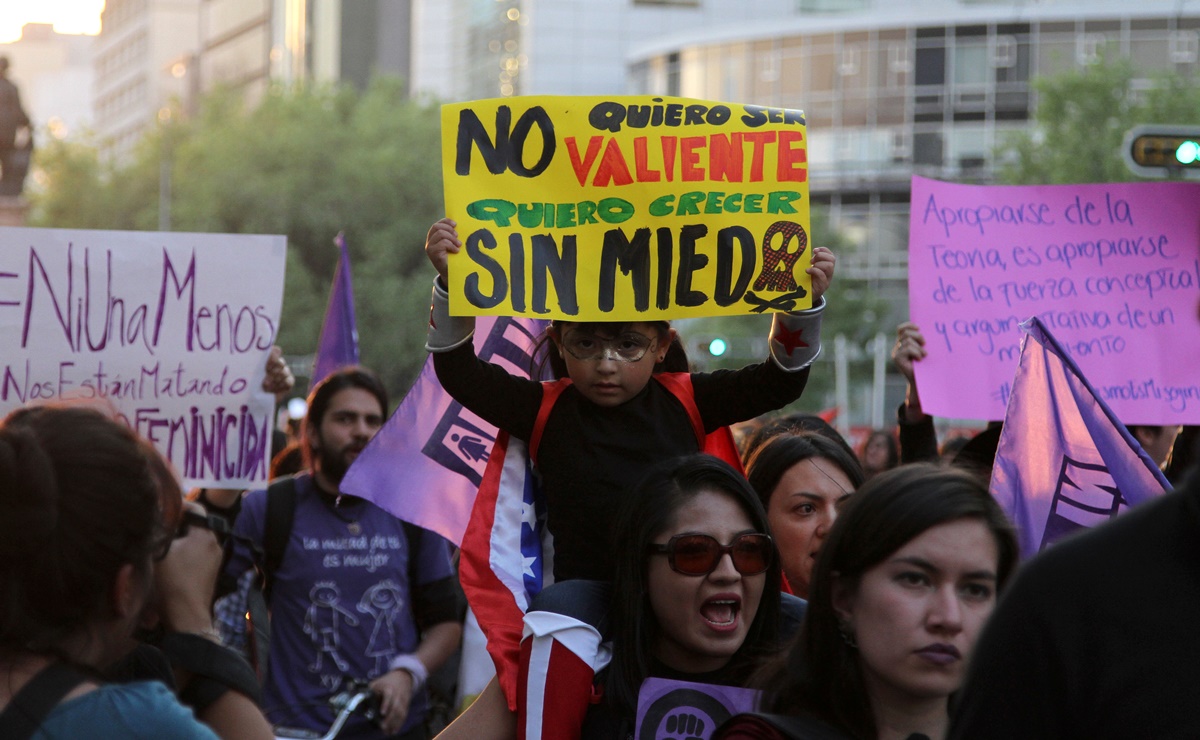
{"x":628,"y":403}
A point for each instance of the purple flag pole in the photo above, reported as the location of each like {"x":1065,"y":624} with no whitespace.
{"x":338,"y":345}
{"x":1064,"y":461}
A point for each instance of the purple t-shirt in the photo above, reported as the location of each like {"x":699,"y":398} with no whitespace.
{"x":341,"y":603}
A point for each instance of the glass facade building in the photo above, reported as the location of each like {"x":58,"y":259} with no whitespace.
{"x":891,"y":90}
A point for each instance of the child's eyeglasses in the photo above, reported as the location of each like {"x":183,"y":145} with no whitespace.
{"x":699,"y":554}
{"x":628,"y":347}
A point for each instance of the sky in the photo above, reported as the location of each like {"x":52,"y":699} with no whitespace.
{"x":68,"y":16}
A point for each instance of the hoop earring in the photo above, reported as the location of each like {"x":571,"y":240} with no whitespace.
{"x":847,"y":636}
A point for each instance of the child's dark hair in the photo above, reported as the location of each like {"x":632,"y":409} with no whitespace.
{"x":544,"y":355}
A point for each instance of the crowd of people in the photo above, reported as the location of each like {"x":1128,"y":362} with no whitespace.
{"x":850,"y":590}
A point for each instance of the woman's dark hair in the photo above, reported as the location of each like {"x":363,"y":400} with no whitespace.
{"x":321,"y":396}
{"x":289,"y":460}
{"x":81,"y":496}
{"x":777,"y":456}
{"x":649,"y":512}
{"x":544,"y":356}
{"x":893,"y":447}
{"x":820,"y":674}
{"x":794,"y":424}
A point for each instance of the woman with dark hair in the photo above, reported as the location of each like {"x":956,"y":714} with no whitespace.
{"x":901,"y":590}
{"x":792,"y":424}
{"x":87,"y":509}
{"x":880,"y":451}
{"x":802,"y":480}
{"x":690,"y":597}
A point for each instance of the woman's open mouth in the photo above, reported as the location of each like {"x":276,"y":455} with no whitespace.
{"x":721,"y":612}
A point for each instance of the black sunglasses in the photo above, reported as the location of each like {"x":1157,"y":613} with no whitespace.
{"x":218,"y":525}
{"x":699,"y":554}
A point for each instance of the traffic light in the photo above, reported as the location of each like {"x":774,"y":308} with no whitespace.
{"x":1163,"y":151}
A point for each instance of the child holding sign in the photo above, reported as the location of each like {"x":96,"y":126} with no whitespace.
{"x":593,"y":436}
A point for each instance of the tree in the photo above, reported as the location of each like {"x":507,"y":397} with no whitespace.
{"x":306,"y":162}
{"x":1081,"y":119}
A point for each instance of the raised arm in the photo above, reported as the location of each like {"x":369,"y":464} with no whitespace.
{"x":918,"y":438}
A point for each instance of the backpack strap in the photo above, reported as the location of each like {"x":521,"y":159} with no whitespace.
{"x":412,"y":533}
{"x":680,"y":386}
{"x":37,"y":698}
{"x":281,"y":512}
{"x":551,"y":390}
{"x":279,"y":516}
{"x":719,"y":442}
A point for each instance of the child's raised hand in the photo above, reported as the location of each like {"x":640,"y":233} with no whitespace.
{"x":442,"y":240}
{"x":821,"y":272}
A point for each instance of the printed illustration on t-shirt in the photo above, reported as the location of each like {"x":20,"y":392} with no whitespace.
{"x":322,"y":623}
{"x":384,"y":602}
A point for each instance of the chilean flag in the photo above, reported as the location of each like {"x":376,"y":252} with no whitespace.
{"x":437,"y":465}
{"x":507,"y":555}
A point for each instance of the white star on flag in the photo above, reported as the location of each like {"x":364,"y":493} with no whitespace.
{"x":527,"y":566}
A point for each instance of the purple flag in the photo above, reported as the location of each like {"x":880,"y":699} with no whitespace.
{"x":338,"y":346}
{"x":426,"y":463}
{"x":1064,"y":461}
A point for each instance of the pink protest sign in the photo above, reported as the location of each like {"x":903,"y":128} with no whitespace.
{"x":1112,"y":269}
{"x":171,"y":329}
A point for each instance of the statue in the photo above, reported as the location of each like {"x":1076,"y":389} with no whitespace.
{"x":16,"y":136}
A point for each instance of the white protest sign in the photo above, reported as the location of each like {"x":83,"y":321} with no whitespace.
{"x":172,"y":328}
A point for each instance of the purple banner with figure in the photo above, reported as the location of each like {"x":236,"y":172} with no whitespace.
{"x":1112,"y":269}
{"x":426,"y":463}
{"x":1064,"y":462}
{"x":674,"y":710}
{"x":172,"y":330}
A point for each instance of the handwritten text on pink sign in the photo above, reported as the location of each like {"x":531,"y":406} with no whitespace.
{"x":1112,"y":269}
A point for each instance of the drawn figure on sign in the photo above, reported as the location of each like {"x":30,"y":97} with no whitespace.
{"x":472,"y":448}
{"x":322,"y":622}
{"x":1086,"y":496}
{"x":383,"y":602}
{"x":779,"y":264}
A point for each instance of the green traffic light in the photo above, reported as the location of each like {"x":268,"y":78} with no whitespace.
{"x":1187,"y":152}
{"x":1163,"y":151}
{"x":717,"y":347}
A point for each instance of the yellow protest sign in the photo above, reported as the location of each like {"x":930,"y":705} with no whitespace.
{"x":626,"y":208}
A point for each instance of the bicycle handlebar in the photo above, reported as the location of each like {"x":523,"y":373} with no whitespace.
{"x":355,"y":697}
